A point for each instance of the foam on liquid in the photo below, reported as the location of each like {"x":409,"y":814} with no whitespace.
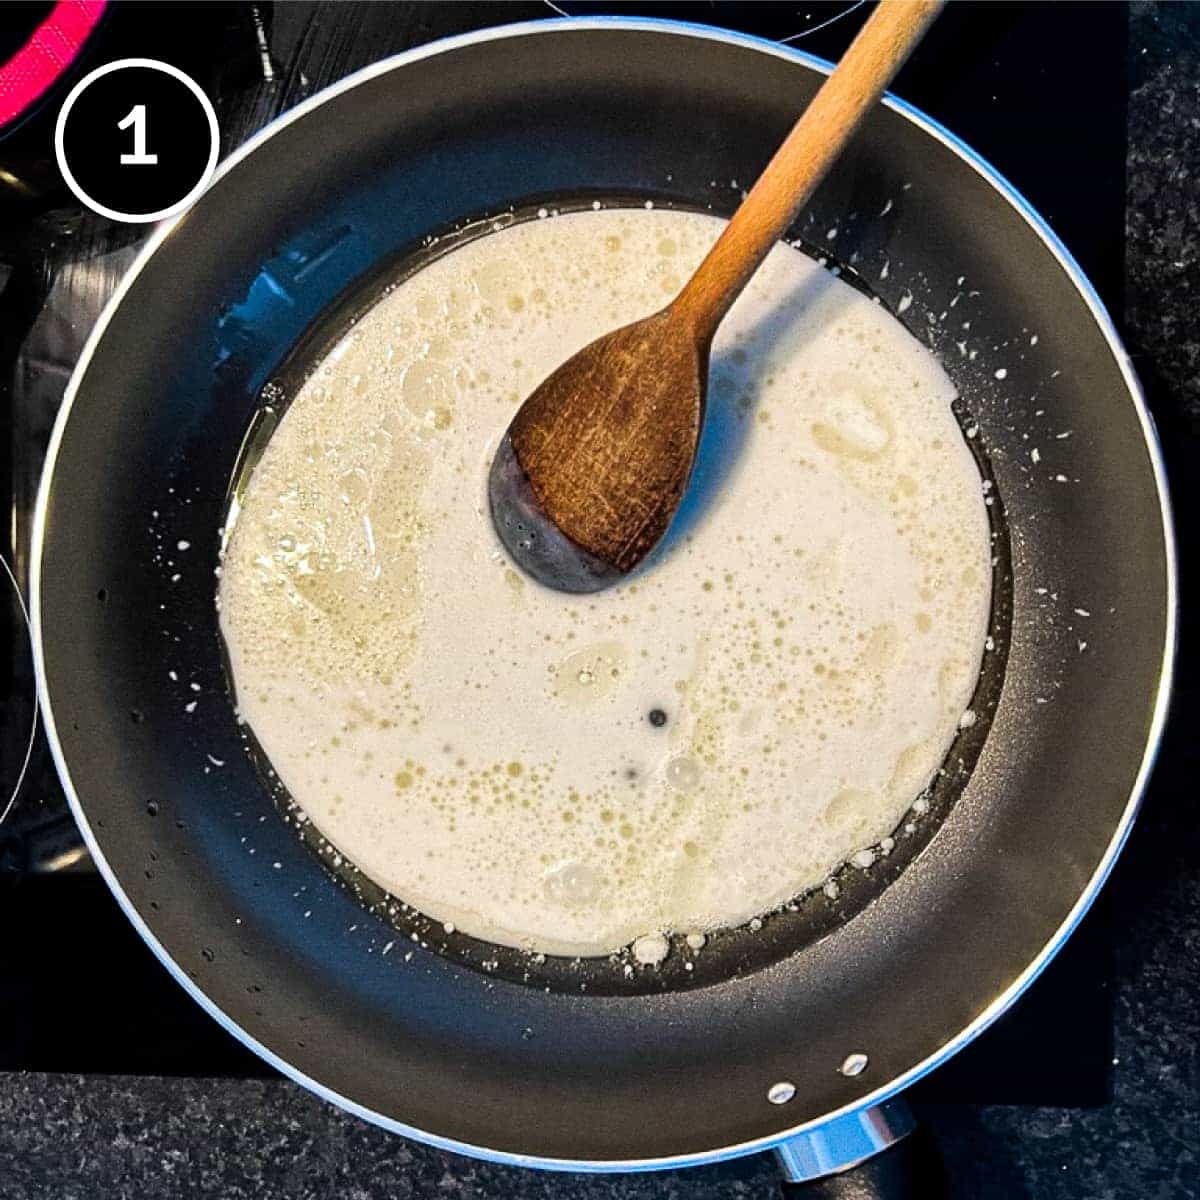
{"x":482,"y":747}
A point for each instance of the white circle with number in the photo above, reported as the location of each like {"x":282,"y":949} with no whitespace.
{"x":137,"y":140}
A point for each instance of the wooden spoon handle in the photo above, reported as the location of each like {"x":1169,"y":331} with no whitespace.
{"x":816,"y":140}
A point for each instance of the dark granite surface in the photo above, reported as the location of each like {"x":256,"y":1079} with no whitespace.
{"x":68,"y":1137}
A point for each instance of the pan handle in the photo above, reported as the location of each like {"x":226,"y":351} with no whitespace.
{"x":877,"y":1154}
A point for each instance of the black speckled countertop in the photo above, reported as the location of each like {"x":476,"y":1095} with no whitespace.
{"x":73,"y":1137}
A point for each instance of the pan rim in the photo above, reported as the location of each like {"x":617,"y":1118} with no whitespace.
{"x":1154,"y":735}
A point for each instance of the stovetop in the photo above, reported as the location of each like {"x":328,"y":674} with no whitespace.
{"x":999,"y":75}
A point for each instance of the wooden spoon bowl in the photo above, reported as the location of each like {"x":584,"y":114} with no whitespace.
{"x":592,"y":468}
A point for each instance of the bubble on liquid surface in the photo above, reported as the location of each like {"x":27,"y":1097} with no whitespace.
{"x":591,"y":674}
{"x":683,"y":774}
{"x":651,"y":949}
{"x":573,"y":884}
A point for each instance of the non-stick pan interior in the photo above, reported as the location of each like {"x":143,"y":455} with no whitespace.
{"x":726,"y":952}
{"x":414,"y":1037}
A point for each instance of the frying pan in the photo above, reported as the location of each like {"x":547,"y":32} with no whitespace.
{"x":437,"y":1038}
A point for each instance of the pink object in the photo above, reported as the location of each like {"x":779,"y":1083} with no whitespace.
{"x":51,"y":49}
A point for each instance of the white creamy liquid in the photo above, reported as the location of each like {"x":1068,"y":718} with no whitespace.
{"x":483,"y":747}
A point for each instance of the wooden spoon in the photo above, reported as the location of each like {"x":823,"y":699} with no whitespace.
{"x":589,"y":474}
